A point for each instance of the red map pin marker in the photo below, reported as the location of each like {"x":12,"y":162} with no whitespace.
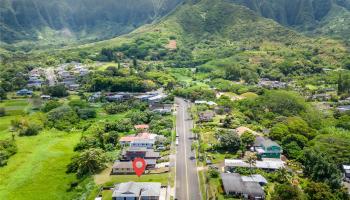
{"x":139,"y":166}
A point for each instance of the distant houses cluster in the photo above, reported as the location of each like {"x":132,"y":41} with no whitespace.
{"x":35,"y":78}
{"x":267,"y":83}
{"x":154,"y":99}
{"x":68,"y":74}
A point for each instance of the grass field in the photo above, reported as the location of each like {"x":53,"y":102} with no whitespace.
{"x":15,"y":106}
{"x":37,"y":171}
{"x":5,"y":123}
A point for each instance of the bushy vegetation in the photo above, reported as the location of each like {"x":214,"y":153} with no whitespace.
{"x":26,"y":126}
{"x":119,"y":84}
{"x":2,"y":112}
{"x":50,"y":105}
{"x":56,"y":91}
{"x":88,"y":162}
{"x":195,"y":93}
{"x":62,"y":118}
{"x":7,"y":149}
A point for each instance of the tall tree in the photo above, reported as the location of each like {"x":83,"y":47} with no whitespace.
{"x":286,"y":192}
{"x":321,"y":169}
{"x":88,"y":162}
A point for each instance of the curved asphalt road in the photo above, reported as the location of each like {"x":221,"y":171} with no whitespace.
{"x":187,"y":184}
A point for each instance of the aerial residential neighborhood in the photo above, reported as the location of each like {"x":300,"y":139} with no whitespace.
{"x":174,"y":100}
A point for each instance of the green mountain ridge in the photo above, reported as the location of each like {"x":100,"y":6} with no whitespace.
{"x":39,"y":20}
{"x":321,"y":17}
{"x":38,"y":24}
{"x":214,"y":30}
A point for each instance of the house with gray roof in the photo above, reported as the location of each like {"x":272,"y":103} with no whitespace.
{"x":343,"y":109}
{"x":266,"y":164}
{"x":143,"y":142}
{"x":24,"y":92}
{"x":235,"y":185}
{"x":137,"y":191}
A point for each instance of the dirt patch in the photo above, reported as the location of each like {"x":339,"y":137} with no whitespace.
{"x":104,"y":176}
{"x":172,"y":45}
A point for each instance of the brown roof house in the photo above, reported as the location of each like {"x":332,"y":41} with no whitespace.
{"x":120,"y":167}
{"x":206,"y":116}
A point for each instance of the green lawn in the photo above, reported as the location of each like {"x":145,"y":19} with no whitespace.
{"x":162,"y":178}
{"x":107,"y":194}
{"x":37,"y":171}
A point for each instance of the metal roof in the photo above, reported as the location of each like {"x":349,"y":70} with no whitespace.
{"x":266,"y":164}
{"x":233,"y":183}
{"x":137,"y":189}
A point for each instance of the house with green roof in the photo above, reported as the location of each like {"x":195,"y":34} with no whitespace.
{"x":267,"y":148}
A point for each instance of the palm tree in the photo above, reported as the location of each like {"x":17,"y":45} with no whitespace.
{"x":251,"y":159}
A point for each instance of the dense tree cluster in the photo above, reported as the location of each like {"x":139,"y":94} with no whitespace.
{"x":55,"y":91}
{"x":119,"y":84}
{"x":320,"y":168}
{"x":62,"y":118}
{"x":195,"y":93}
{"x":229,"y":140}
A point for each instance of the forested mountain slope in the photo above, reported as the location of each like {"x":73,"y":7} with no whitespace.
{"x":329,"y":17}
{"x":76,"y":19}
{"x":211,"y":30}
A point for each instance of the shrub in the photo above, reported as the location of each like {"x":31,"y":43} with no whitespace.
{"x":114,"y":108}
{"x":50,"y":105}
{"x":7,"y":149}
{"x":78,"y":104}
{"x":87,"y":113}
{"x":2,"y":112}
{"x":26,"y":127}
{"x":30,"y":130}
{"x":213,"y":173}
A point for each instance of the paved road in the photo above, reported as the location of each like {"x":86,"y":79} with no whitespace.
{"x":187,"y":184}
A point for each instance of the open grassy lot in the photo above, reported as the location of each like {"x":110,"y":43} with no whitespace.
{"x":5,"y":123}
{"x":15,"y":106}
{"x":37,"y":171}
